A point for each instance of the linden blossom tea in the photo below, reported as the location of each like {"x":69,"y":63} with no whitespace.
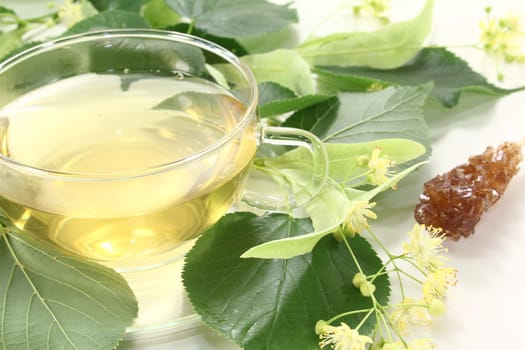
{"x":89,"y":124}
{"x":122,"y":145}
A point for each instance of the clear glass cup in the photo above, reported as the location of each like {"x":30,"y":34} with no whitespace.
{"x":124,"y":145}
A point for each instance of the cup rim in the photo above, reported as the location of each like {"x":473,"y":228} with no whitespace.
{"x":199,"y":42}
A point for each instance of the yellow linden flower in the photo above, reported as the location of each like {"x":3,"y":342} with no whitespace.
{"x":343,"y":338}
{"x":421,"y":344}
{"x":72,"y":12}
{"x":356,"y":220}
{"x":379,"y":168}
{"x":411,"y":312}
{"x":437,"y":283}
{"x":425,"y":247}
{"x":503,"y":37}
{"x":436,"y":307}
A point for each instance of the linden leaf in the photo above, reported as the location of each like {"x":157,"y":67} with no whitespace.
{"x":235,"y":18}
{"x":274,"y":304}
{"x":450,"y":74}
{"x":159,"y":14}
{"x":396,"y":112}
{"x":228,"y":43}
{"x":5,"y":10}
{"x":389,"y":47}
{"x":113,"y":19}
{"x":51,"y":300}
{"x":275,"y":99}
{"x":128,"y":5}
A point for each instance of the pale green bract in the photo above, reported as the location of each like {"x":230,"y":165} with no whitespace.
{"x":344,"y":164}
{"x":282,"y":66}
{"x":329,"y":209}
{"x":386,"y":48}
{"x":327,"y":212}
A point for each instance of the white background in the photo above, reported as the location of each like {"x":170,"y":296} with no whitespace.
{"x":485,"y":309}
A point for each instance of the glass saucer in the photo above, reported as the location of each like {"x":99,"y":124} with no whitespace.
{"x":164,"y":307}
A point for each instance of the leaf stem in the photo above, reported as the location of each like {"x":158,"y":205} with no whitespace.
{"x":349,"y":313}
{"x":389,"y":326}
{"x":365,"y":318}
{"x":351,"y":251}
{"x":191,"y":27}
{"x":42,"y":18}
{"x":411,"y":262}
{"x":391,"y":259}
{"x":412,"y":277}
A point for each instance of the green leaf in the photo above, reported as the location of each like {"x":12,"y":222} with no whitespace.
{"x":51,"y":300}
{"x":396,"y":112}
{"x":274,"y":304}
{"x":5,"y":10}
{"x":235,"y":18}
{"x":102,"y":5}
{"x":327,"y":213}
{"x":270,"y":92}
{"x":127,"y":5}
{"x":109,"y":19}
{"x":389,"y":47}
{"x":284,"y":67}
{"x":450,"y":74}
{"x":228,"y":43}
{"x":131,"y":5}
{"x":159,"y":14}
{"x":275,"y":99}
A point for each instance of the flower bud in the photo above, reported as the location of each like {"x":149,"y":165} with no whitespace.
{"x":367,"y":288}
{"x":358,"y":279}
{"x":436,"y":307}
{"x":320,"y":326}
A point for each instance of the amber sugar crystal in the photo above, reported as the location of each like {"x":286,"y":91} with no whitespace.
{"x":455,"y":201}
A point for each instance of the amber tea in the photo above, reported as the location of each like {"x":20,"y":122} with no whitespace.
{"x":122,"y":145}
{"x":113,"y":128}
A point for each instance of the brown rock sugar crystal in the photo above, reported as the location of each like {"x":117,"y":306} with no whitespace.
{"x":456,"y":200}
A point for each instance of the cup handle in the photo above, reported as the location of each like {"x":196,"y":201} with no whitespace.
{"x":291,"y":180}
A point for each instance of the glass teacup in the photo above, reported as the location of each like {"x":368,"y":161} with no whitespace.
{"x":123,"y":145}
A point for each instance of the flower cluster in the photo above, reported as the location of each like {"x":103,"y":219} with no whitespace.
{"x":72,"y":12}
{"x":357,"y":218}
{"x":342,"y":337}
{"x":423,"y":253}
{"x":503,"y":38}
{"x":379,"y":168}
